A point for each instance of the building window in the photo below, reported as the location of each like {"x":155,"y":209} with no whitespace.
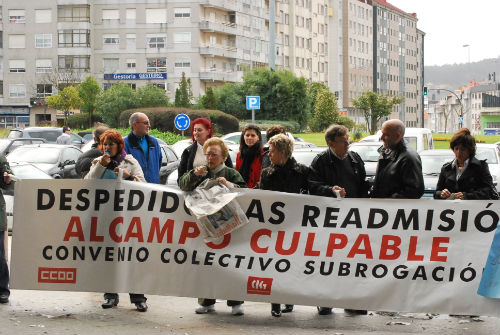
{"x":131,"y":62}
{"x":17,"y":16}
{"x":110,"y":65}
{"x":132,"y":86}
{"x":17,"y":41}
{"x":43,"y":90}
{"x":182,"y":12}
{"x":1,"y":88}
{"x":43,"y":65}
{"x":130,"y":14}
{"x":110,"y":14}
{"x":110,"y":39}
{"x":17,"y":65}
{"x":163,"y":86}
{"x":43,"y":15}
{"x":43,"y":41}
{"x":73,"y":13}
{"x":107,"y":85}
{"x":182,"y":37}
{"x":80,"y":63}
{"x":156,"y":64}
{"x":74,"y":38}
{"x":156,"y":42}
{"x":131,"y":41}
{"x":156,"y":15}
{"x":17,"y":91}
{"x":182,"y":63}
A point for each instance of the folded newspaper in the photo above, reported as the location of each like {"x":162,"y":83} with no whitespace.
{"x":216,"y":209}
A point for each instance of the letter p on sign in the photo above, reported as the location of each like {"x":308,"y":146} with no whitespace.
{"x":253,"y":102}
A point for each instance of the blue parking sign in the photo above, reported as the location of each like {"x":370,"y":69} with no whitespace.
{"x":182,"y":121}
{"x":253,"y":102}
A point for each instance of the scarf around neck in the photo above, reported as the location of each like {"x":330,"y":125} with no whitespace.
{"x":248,"y":154}
{"x":116,"y":160}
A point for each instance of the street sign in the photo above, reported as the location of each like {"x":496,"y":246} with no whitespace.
{"x":460,"y":119}
{"x":182,"y":122}
{"x":253,"y":102}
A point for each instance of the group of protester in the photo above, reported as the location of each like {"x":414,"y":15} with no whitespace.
{"x":335,"y":172}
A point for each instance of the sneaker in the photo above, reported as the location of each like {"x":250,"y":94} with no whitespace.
{"x":4,"y":299}
{"x":237,"y":310}
{"x":205,"y":309}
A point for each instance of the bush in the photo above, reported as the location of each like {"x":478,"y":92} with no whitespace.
{"x":81,"y":120}
{"x":162,"y":118}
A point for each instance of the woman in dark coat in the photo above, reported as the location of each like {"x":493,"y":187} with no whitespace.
{"x":249,"y":158}
{"x":193,"y":156}
{"x":466,"y":177}
{"x":284,"y":175}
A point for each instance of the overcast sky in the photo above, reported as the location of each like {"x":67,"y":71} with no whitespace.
{"x":450,"y":24}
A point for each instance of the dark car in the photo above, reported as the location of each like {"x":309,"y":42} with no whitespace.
{"x":432,"y":162}
{"x":7,"y":145}
{"x":49,"y":133}
{"x":57,"y":160}
{"x":169,"y":162}
{"x":368,"y":151}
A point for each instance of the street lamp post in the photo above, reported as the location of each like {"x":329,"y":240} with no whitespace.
{"x":461,"y":116}
{"x":468,"y":51}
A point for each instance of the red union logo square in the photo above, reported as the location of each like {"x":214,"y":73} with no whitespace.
{"x":57,"y":275}
{"x":257,"y":285}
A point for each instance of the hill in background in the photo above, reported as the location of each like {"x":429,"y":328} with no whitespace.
{"x":453,"y":76}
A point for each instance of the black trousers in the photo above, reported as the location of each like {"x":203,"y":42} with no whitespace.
{"x":4,"y":268}
{"x":208,"y":302}
{"x":134,"y":297}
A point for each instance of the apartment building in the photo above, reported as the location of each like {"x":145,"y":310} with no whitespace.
{"x":397,"y":60}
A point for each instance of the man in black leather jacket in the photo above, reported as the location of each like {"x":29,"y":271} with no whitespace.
{"x":399,"y":169}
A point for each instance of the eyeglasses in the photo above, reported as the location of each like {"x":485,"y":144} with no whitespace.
{"x":212,"y":155}
{"x":144,"y":122}
{"x":343,"y":142}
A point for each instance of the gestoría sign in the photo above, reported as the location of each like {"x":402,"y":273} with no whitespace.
{"x":135,"y":76}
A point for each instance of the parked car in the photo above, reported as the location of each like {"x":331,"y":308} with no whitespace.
{"x":490,"y":152}
{"x":306,"y":155}
{"x":49,"y":133}
{"x":57,"y":160}
{"x":7,"y":145}
{"x":432,"y":161}
{"x":86,"y":136}
{"x":169,"y":162}
{"x":417,"y":138}
{"x":299,"y":143}
{"x":368,"y":151}
{"x":21,"y":171}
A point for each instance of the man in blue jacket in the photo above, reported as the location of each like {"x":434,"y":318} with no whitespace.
{"x":144,"y":147}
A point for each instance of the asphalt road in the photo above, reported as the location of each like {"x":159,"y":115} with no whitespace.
{"x":50,"y":312}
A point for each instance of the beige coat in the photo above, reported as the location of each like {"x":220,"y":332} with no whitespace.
{"x":129,"y":163}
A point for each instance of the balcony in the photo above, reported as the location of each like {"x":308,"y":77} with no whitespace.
{"x":229,"y":52}
{"x":222,"y":27}
{"x":231,"y":5}
{"x":214,"y":75}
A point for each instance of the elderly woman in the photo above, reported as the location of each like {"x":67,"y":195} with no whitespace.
{"x":193,"y":156}
{"x":107,"y":166}
{"x":284,"y":175}
{"x":249,"y":158}
{"x":466,"y":177}
{"x":216,"y":152}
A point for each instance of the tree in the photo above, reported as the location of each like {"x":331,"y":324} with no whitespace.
{"x":114,"y":100}
{"x":375,"y":106}
{"x":326,"y":111}
{"x":209,"y":101}
{"x":231,"y":100}
{"x":88,"y":91}
{"x":313,"y":88}
{"x":190,"y":91}
{"x":65,"y":100}
{"x":183,"y":100}
{"x":151,"y":96}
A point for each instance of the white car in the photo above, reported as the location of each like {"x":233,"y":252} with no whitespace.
{"x":491,"y":153}
{"x":298,"y":142}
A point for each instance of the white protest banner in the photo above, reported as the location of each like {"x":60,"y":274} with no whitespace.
{"x":376,"y":254}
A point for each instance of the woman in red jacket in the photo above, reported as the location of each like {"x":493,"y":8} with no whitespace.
{"x":249,"y":159}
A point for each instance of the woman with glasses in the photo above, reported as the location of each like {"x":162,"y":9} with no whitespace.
{"x":216,"y":153}
{"x":192,"y":156}
{"x":466,"y":177}
{"x":283,"y":175}
{"x":113,"y":159}
{"x":249,"y":159}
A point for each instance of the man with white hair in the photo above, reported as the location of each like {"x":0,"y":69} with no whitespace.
{"x":399,"y":168}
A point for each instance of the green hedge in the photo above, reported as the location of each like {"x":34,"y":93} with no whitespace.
{"x":81,"y":120}
{"x":162,"y":118}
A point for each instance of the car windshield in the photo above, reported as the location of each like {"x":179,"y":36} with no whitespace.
{"x":304,"y":157}
{"x":486,"y":153}
{"x":35,"y":155}
{"x":431,"y":164}
{"x":368,"y":153}
{"x":411,"y":142}
{"x":29,"y":172}
{"x":4,"y":144}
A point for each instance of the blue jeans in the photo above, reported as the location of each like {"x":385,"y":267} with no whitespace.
{"x":4,"y":269}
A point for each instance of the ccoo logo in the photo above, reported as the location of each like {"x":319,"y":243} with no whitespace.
{"x":257,"y":285}
{"x":57,"y":275}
